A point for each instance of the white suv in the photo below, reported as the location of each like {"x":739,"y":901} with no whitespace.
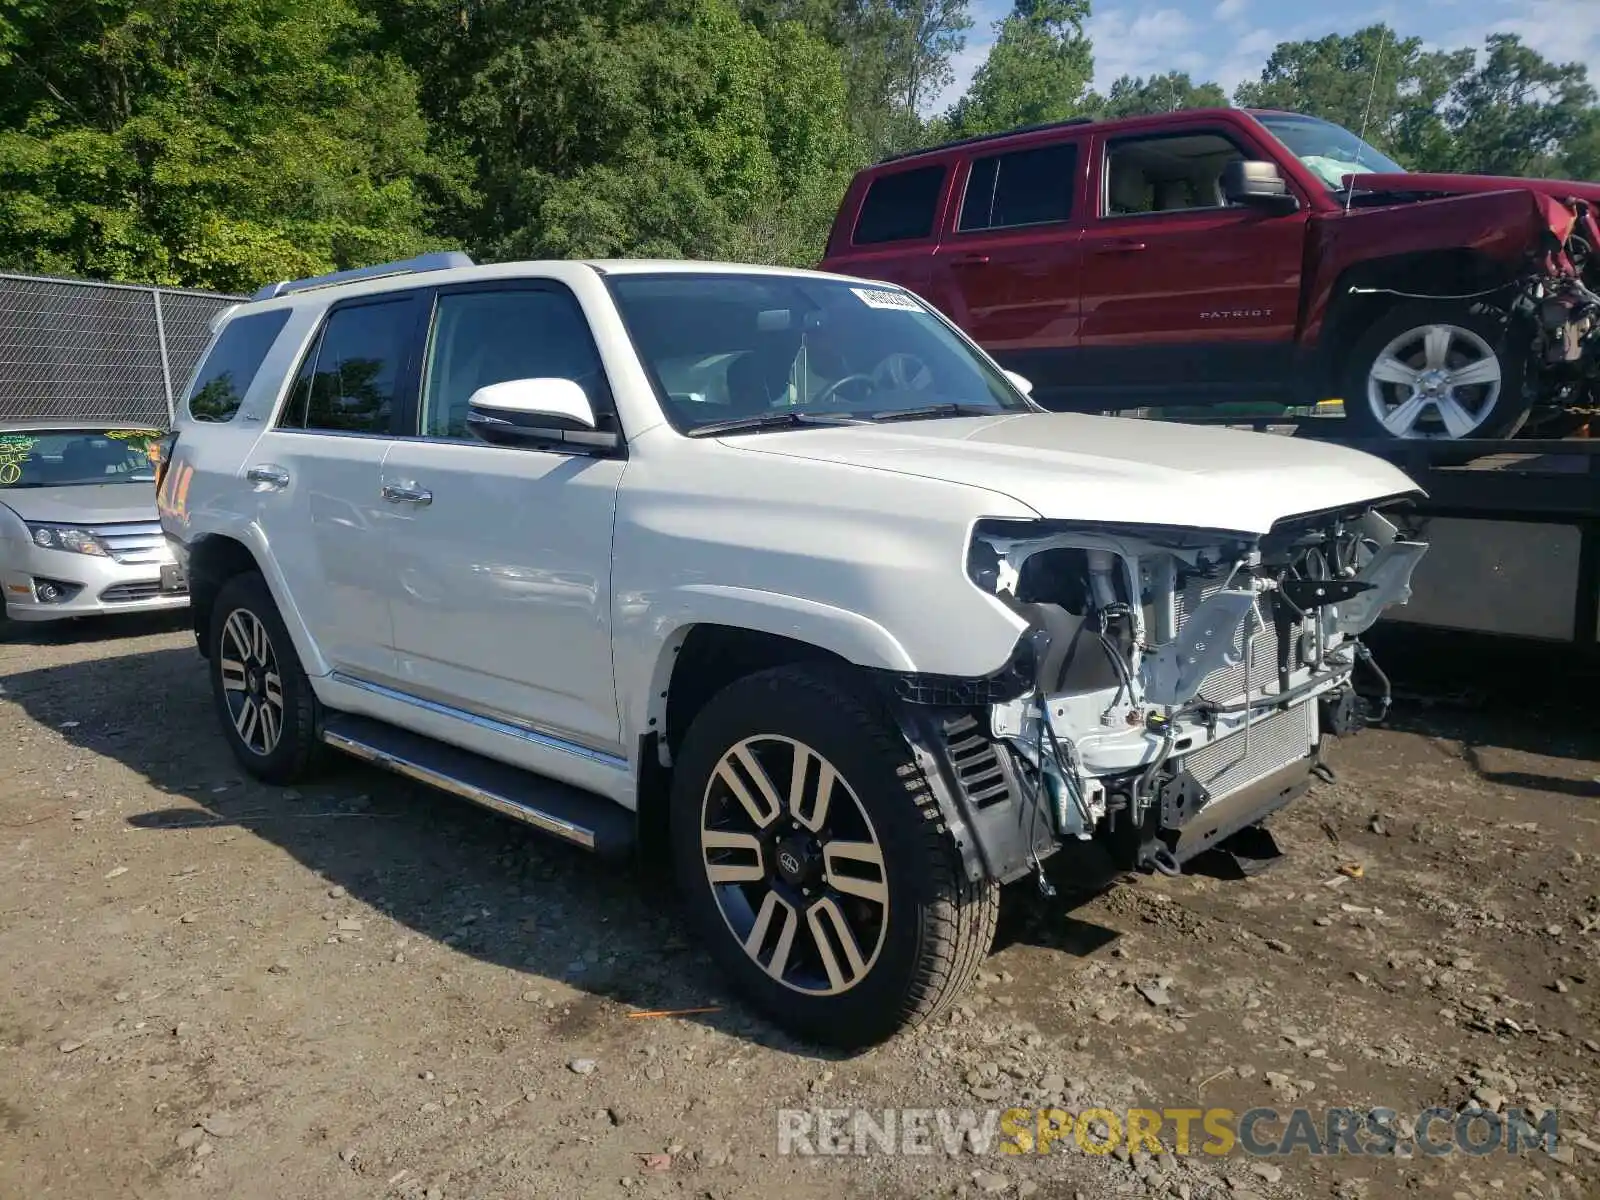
{"x":773,"y":571}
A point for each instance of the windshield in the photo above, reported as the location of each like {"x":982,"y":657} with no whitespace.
{"x":783,"y":350}
{"x":1330,"y":151}
{"x":40,"y":458}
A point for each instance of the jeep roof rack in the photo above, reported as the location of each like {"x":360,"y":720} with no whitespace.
{"x":442,"y":260}
{"x":986,"y":137}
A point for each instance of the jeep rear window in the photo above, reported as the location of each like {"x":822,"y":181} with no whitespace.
{"x":899,"y":207}
{"x":1024,"y":187}
{"x":224,"y":377}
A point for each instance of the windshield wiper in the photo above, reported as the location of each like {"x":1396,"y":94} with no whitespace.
{"x":950,"y":409}
{"x":782,"y":419}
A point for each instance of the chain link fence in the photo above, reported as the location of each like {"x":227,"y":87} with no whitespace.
{"x":73,"y":349}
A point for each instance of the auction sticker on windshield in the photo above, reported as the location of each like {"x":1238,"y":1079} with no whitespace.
{"x":879,"y":298}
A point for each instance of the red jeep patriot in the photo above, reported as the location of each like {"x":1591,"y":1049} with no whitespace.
{"x":1226,"y":255}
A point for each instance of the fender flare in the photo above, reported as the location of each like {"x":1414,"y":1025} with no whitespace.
{"x":849,"y":635}
{"x":251,"y":538}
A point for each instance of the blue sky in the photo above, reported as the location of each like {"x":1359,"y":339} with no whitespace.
{"x":1229,"y":40}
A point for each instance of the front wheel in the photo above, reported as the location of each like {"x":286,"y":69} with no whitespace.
{"x":811,"y":857}
{"x":1436,"y":369}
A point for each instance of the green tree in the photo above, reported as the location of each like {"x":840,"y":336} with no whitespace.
{"x":894,"y":56}
{"x":1132,"y":96}
{"x":1519,"y":114}
{"x":926,"y":34}
{"x":1037,"y":70}
{"x":1372,"y":81}
{"x":215,"y":143}
{"x":664,"y":128}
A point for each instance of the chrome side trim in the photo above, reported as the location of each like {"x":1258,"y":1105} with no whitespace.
{"x":534,"y":737}
{"x":543,"y":821}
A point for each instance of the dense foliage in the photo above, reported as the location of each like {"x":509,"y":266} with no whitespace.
{"x":220,"y":143}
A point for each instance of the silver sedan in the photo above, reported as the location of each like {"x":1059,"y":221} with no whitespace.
{"x":78,"y":530}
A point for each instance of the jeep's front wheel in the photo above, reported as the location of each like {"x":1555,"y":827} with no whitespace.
{"x":263,"y":698}
{"x":1436,"y":369}
{"x":810,"y":853}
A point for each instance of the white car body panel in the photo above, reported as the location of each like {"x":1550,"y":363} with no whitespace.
{"x":821,"y":553}
{"x":324,"y":528}
{"x":1111,"y":470}
{"x":500,"y":586}
{"x":532,"y":611}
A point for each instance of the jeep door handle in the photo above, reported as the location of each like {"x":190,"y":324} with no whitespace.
{"x":968,"y":260}
{"x":1120,"y":246}
{"x":406,"y":493}
{"x":268,"y":475}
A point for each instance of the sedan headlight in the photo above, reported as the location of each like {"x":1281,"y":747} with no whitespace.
{"x":66,"y":537}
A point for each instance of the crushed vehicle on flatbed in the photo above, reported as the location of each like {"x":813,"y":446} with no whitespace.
{"x":1205,"y":257}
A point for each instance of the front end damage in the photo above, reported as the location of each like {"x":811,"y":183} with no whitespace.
{"x":1173,"y":685}
{"x":1559,"y":301}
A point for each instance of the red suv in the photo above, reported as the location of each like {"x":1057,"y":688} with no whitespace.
{"x":1226,"y":255}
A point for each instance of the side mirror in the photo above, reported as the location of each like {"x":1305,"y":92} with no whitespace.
{"x":1021,"y":382}
{"x":1257,"y":185}
{"x":522,"y":412}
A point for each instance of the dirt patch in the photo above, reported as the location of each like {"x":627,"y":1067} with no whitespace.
{"x":363,"y":988}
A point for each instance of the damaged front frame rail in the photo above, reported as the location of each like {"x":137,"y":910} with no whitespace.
{"x":1096,"y":742}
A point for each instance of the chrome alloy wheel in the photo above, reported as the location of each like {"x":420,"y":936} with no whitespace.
{"x":1434,"y":381}
{"x":250,"y":682}
{"x":796,"y":868}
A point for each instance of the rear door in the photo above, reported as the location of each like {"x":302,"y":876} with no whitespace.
{"x":897,"y":212}
{"x":315,"y":478}
{"x":1182,"y":291}
{"x":1008,"y":270}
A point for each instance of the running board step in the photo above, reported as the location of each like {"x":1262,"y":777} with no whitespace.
{"x":568,"y":813}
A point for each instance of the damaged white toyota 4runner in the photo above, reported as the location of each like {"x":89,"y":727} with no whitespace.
{"x":772,"y":571}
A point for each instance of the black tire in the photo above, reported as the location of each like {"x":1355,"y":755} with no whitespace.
{"x":297,"y":750}
{"x":1494,"y":412}
{"x":936,"y":927}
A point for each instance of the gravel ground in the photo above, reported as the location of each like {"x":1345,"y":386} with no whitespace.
{"x":365,"y":989}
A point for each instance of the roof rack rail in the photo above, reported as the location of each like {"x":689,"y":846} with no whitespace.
{"x":442,"y":260}
{"x":987,"y":137}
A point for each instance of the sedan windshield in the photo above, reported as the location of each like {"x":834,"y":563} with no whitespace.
{"x":1330,"y":151}
{"x":41,"y":458}
{"x":747,"y":352}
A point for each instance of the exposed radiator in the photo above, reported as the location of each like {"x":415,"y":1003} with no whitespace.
{"x":1274,"y":742}
{"x":1228,"y":683}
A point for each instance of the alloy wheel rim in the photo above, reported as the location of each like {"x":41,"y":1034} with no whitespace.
{"x":1435,"y":381}
{"x":795,"y":865}
{"x":251,"y":683}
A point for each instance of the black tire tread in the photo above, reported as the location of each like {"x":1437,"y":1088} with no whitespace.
{"x":301,"y":736}
{"x":1511,"y":409}
{"x":960,"y":923}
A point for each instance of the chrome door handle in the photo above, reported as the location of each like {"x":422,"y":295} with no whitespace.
{"x":267,"y":474}
{"x":398,"y":493}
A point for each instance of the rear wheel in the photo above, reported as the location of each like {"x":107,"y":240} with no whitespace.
{"x":1436,"y":369}
{"x":809,"y":851}
{"x":268,"y":711}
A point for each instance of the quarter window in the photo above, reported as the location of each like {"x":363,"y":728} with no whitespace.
{"x":900,"y":207}
{"x":1171,"y":173}
{"x":482,"y":338}
{"x":348,"y":382}
{"x":224,"y":377}
{"x":1024,"y":187}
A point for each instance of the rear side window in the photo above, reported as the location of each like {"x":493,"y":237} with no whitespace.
{"x":348,"y":382}
{"x":224,"y":377}
{"x":900,"y":207}
{"x":1024,"y":187}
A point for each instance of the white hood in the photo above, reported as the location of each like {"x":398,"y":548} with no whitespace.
{"x":1110,"y":469}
